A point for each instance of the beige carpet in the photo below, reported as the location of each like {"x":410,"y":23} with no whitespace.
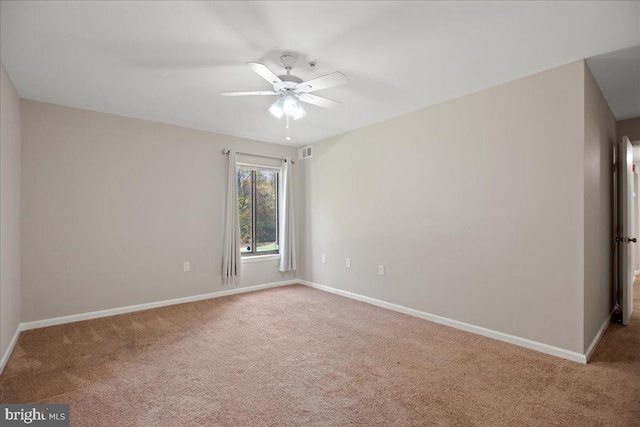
{"x":299,"y":356}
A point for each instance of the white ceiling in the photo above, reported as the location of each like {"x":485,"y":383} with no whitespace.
{"x":168,"y":61}
{"x":618,"y":76}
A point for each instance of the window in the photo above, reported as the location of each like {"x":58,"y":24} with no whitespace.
{"x":258,"y":209}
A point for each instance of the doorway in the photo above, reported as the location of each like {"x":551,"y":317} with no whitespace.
{"x":626,"y":223}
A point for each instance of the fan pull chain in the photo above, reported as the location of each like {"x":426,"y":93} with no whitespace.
{"x":288,"y":137}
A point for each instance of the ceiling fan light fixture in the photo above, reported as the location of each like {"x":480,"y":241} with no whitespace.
{"x":276,"y":109}
{"x":289,"y":105}
{"x":298,"y":113}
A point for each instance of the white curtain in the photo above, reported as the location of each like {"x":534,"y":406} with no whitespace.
{"x":287,"y":236}
{"x":231,"y":240}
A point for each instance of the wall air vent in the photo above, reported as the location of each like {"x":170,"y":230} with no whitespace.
{"x":304,"y":153}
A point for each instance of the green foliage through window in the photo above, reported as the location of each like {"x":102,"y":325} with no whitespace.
{"x":258,"y":209}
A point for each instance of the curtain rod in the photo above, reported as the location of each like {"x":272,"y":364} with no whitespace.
{"x":226,"y":151}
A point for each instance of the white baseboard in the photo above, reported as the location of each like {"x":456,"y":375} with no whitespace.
{"x":511,"y":339}
{"x":131,"y":308}
{"x":523,"y":342}
{"x":9,"y":350}
{"x":598,"y":336}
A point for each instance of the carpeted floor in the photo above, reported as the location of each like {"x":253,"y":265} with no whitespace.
{"x":298,"y":356}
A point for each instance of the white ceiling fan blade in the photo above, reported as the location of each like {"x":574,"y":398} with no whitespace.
{"x":319,"y":101}
{"x":324,"y":82}
{"x":265,"y":73}
{"x":257,"y":92}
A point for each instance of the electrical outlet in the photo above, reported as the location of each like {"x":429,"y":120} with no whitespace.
{"x":348,"y":263}
{"x":602,"y":285}
{"x":324,"y":259}
{"x":186,"y":266}
{"x":381,"y":270}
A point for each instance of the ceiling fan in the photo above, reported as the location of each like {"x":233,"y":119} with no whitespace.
{"x":292,"y":89}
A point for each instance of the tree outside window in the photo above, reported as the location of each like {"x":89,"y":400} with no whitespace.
{"x":258,"y":209}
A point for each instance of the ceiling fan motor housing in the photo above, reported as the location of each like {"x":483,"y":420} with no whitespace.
{"x":290,"y":81}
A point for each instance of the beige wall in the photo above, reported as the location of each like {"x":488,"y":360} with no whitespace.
{"x":112,"y":207}
{"x":475,"y":207}
{"x":10,"y":152}
{"x":599,"y":137}
{"x":630,"y":128}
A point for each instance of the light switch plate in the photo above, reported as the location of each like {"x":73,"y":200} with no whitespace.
{"x":186,"y":266}
{"x":348,"y":263}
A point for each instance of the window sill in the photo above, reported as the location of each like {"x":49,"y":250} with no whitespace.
{"x":260,"y":258}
